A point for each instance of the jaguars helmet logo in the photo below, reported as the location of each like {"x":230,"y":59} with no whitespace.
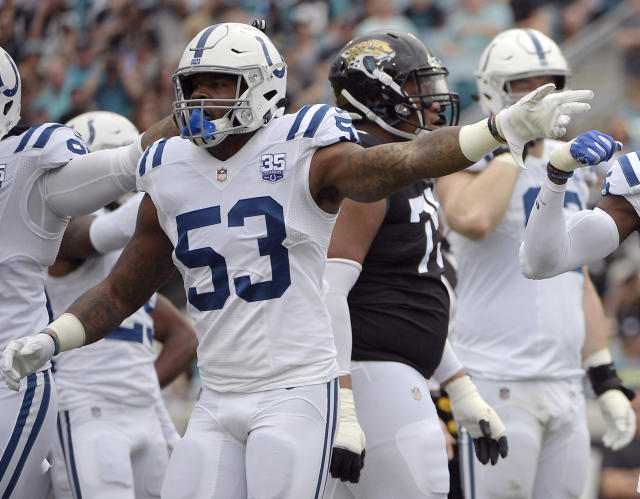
{"x":367,"y":55}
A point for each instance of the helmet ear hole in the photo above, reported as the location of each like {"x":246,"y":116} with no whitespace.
{"x":269,"y":95}
{"x":7,"y":108}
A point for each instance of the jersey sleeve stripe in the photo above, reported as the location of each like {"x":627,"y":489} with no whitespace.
{"x":157,"y":155}
{"x":316,"y":120}
{"x":45,"y":135}
{"x":627,"y":169}
{"x":143,"y":161}
{"x":26,"y":137}
{"x":296,"y":123}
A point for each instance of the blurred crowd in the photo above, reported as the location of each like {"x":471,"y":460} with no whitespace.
{"x":119,"y":55}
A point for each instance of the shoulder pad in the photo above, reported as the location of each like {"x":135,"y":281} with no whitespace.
{"x":323,"y":124}
{"x":58,"y":144}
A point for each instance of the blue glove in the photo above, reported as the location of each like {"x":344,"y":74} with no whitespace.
{"x":587,"y":149}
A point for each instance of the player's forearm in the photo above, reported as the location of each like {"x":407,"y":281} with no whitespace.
{"x":178,"y":352}
{"x":101,"y":311}
{"x":381,"y":170}
{"x":480,"y":205}
{"x":594,"y":319}
{"x":554,"y":245}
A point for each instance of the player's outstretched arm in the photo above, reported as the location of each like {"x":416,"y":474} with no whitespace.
{"x":346,"y":170}
{"x":143,"y":266}
{"x":178,"y":338}
{"x":554,"y":244}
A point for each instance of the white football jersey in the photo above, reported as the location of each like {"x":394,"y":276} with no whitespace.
{"x":251,"y":243}
{"x":507,"y":326}
{"x":119,"y":367}
{"x":30,"y":231}
{"x":623,"y":179}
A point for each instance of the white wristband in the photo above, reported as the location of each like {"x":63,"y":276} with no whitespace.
{"x":69,"y":330}
{"x":476,"y":141}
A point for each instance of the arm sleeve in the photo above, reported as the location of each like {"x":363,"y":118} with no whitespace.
{"x":340,"y":275}
{"x":449,"y":365}
{"x":553,"y":244}
{"x":90,"y":181}
{"x":112,"y":230}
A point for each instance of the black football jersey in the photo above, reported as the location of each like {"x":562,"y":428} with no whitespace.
{"x":399,"y":306}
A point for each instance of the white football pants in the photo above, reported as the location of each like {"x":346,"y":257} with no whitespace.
{"x":274,"y":444}
{"x":548,"y":442}
{"x":406,"y":452}
{"x":107,"y":450}
{"x":27,"y":430}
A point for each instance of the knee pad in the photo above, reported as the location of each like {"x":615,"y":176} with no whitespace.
{"x":114,"y":462}
{"x":184,"y":472}
{"x":423,"y":448}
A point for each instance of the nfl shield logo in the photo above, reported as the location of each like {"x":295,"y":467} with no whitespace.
{"x":96,"y":412}
{"x":222,"y":175}
{"x":272,"y":167}
{"x":504,"y":393}
{"x":417,"y":394}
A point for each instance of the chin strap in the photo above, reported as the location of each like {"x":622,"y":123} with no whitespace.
{"x":371,"y":116}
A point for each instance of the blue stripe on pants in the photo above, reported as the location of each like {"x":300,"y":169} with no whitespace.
{"x":37,"y":425}
{"x":72,"y":460}
{"x":326,"y":454}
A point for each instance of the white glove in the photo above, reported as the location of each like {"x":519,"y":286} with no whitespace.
{"x":540,"y":113}
{"x":587,"y":149}
{"x":620,"y":418}
{"x":348,"y":448}
{"x":25,"y":356}
{"x":481,"y":421}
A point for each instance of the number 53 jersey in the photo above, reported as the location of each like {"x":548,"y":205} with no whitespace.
{"x":251,"y":244}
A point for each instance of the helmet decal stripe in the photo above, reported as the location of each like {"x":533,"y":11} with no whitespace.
{"x":296,"y":123}
{"x":203,"y":40}
{"x":279,"y":73}
{"x":10,"y":92}
{"x":486,"y":61}
{"x":538,"y":46}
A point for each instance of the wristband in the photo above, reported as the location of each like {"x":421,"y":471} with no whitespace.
{"x":493,"y":128}
{"x":604,"y":377}
{"x":554,"y":172}
{"x":52,"y":334}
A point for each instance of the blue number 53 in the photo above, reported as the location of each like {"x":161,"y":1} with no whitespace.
{"x":270,"y":245}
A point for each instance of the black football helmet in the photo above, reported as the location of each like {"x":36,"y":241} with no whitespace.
{"x":369,"y":78}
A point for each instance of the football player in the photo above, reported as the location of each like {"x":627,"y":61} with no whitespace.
{"x":110,"y":409}
{"x":244,"y":205}
{"x":525,"y":343}
{"x":46,"y":175}
{"x":387,"y":258}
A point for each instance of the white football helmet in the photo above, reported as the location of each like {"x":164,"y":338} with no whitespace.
{"x":10,"y":93}
{"x":104,"y":130}
{"x":516,"y":54}
{"x":232,"y":49}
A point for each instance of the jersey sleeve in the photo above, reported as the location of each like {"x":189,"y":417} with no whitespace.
{"x":623,"y":179}
{"x":325,"y":125}
{"x":57,"y":144}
